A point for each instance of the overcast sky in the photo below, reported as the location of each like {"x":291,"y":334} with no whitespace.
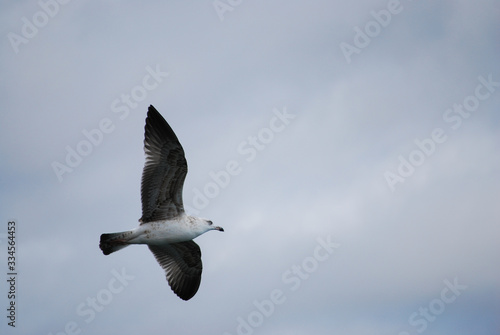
{"x":349,"y":150}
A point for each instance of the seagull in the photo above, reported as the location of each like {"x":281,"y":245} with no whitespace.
{"x":164,"y":226}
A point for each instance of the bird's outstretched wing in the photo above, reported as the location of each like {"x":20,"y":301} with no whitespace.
{"x":164,"y":171}
{"x":182,"y":264}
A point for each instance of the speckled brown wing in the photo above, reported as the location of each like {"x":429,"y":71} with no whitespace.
{"x":164,"y":171}
{"x":182,"y":264}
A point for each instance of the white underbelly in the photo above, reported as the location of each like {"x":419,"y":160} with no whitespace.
{"x":162,"y":232}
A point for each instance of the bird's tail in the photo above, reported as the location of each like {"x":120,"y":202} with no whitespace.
{"x":113,"y":242}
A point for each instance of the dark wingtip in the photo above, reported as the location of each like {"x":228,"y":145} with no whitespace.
{"x":152,"y":110}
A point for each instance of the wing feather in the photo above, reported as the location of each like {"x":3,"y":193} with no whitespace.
{"x":164,"y":171}
{"x":182,"y":264}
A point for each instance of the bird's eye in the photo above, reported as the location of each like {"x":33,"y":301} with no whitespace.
{"x":210,"y":222}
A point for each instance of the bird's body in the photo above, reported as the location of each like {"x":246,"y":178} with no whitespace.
{"x":180,"y":229}
{"x":164,"y":226}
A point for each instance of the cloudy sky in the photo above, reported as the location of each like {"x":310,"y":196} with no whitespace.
{"x":350,"y":151}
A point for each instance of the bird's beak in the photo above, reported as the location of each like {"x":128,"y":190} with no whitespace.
{"x":219,"y":228}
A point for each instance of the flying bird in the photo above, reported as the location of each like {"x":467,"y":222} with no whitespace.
{"x":164,"y":226}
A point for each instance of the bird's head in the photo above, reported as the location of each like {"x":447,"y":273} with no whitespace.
{"x":203,"y":225}
{"x":212,"y":227}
